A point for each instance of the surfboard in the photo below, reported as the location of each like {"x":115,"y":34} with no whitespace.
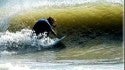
{"x":56,"y":44}
{"x":59,"y":40}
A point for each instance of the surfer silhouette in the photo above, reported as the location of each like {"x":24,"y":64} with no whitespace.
{"x":45,"y":26}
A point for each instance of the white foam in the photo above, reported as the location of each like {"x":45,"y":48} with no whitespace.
{"x":24,"y":38}
{"x":5,"y":53}
{"x":10,"y":66}
{"x":59,"y":66}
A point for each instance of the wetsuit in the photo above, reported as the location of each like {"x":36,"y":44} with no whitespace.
{"x":43,"y":26}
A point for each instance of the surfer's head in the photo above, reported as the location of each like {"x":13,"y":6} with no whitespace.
{"x":51,"y":21}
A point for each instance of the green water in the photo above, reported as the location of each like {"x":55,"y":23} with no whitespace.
{"x":93,"y":31}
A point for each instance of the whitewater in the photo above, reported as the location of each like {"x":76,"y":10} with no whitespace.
{"x":24,"y":40}
{"x":20,"y":50}
{"x":59,"y":66}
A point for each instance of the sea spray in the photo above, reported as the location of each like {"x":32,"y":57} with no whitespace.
{"x":22,"y":40}
{"x":78,"y":51}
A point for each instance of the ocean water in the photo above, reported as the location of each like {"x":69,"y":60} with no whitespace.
{"x":59,"y":66}
{"x":31,"y":54}
{"x":20,"y":50}
{"x":11,"y":8}
{"x":24,"y":41}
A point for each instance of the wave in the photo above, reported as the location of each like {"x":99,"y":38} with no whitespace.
{"x":89,"y":26}
{"x":10,"y":8}
{"x":59,"y":65}
{"x":23,"y":40}
{"x":17,"y":4}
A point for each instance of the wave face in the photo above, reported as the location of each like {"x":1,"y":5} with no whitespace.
{"x":82,"y":42}
{"x":10,"y":7}
{"x":23,"y":40}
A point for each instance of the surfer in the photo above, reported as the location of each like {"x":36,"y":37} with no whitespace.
{"x":45,"y":26}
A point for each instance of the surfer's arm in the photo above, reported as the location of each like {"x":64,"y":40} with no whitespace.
{"x":54,"y":32}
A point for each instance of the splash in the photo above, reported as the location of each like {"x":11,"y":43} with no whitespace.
{"x":22,"y":40}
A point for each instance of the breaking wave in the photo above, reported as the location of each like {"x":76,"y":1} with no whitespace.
{"x":24,"y":40}
{"x":10,"y":8}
